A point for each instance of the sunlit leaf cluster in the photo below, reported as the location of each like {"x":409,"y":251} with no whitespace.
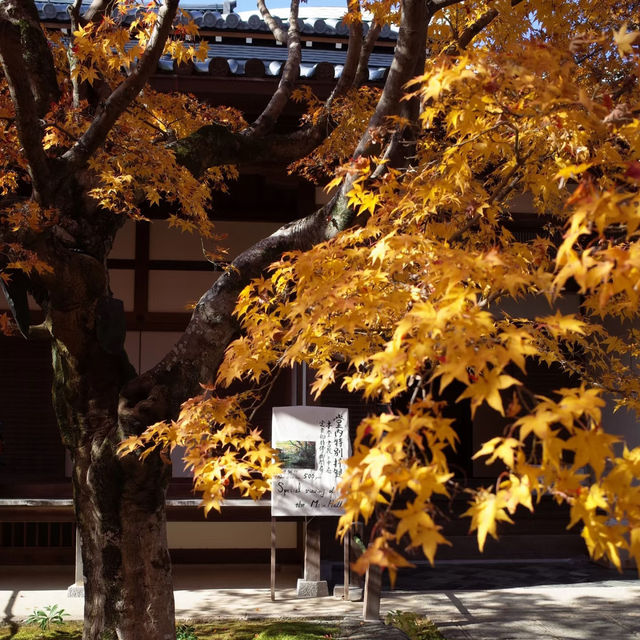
{"x":349,"y":116}
{"x":136,"y":168}
{"x":222,"y":452}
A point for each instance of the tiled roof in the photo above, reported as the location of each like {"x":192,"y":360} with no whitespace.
{"x":222,"y":17}
{"x":232,"y":51}
{"x":259,"y":61}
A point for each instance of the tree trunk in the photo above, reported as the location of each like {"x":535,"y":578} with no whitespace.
{"x":119,"y":503}
{"x":121,"y":518}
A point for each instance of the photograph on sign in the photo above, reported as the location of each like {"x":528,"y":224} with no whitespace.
{"x":297,"y":454}
{"x":312,"y":443}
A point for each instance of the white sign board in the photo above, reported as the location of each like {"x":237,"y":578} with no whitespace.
{"x":312,"y":442}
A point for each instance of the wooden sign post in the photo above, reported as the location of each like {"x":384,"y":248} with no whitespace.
{"x":372,"y":589}
{"x":346,"y":553}
{"x":273,"y":559}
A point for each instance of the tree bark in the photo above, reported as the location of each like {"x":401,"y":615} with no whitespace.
{"x":121,"y":519}
{"x":119,"y":503}
{"x":13,"y":59}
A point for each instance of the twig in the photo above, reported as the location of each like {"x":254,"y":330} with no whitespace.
{"x":268,"y":388}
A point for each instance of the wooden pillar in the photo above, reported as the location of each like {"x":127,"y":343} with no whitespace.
{"x":346,"y":553}
{"x":79,"y":566}
{"x":76,"y":590}
{"x":311,"y":586}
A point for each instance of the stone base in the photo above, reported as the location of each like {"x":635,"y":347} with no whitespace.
{"x":356,"y":594}
{"x":312,"y":588}
{"x":75,"y":591}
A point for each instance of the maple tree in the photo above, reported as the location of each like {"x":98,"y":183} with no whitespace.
{"x":394,"y":287}
{"x":410,"y":300}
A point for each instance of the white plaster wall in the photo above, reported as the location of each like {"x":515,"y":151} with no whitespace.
{"x":124,"y":245}
{"x":178,"y":291}
{"x":168,"y":243}
{"x":242,"y":235}
{"x":154,"y":345}
{"x":230,"y":535}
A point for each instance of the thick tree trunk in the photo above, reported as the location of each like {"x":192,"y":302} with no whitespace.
{"x":121,"y":519}
{"x":119,"y":503}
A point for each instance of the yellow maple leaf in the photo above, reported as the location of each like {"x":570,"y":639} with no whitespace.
{"x":422,"y":530}
{"x":486,"y":511}
{"x":517,"y":491}
{"x":592,"y":447}
{"x":538,"y":423}
{"x":625,"y":39}
{"x":634,"y":545}
{"x":505,"y":449}
{"x":487,"y":389}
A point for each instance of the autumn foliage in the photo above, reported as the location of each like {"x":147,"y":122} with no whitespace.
{"x":546,"y":103}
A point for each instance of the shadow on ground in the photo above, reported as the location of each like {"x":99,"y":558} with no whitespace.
{"x":535,"y":616}
{"x":507,"y":575}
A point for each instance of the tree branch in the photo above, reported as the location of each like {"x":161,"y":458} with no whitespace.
{"x":362,"y":74}
{"x":470,"y":32}
{"x":267,"y":119}
{"x":74,"y":16}
{"x":215,"y":144}
{"x":26,"y":107}
{"x":411,"y":45}
{"x":98,"y":9}
{"x":437,"y":5}
{"x":37,"y":59}
{"x":347,"y":77}
{"x":278,"y":32}
{"x":122,"y":96}
{"x":200,"y":350}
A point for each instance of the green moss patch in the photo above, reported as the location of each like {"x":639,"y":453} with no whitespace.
{"x":265,"y":630}
{"x":416,"y":627}
{"x":220,"y":630}
{"x":66,"y":631}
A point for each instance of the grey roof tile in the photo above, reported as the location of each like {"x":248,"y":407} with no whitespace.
{"x":208,"y":16}
{"x":254,"y":22}
{"x":254,"y":60}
